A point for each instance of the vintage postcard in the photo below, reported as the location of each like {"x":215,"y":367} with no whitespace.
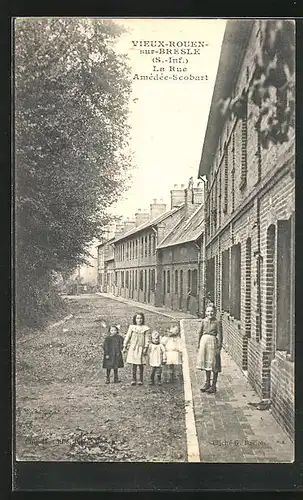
{"x":154,"y":224}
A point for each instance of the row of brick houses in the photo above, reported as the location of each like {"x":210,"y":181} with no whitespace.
{"x":156,"y":258}
{"x":249,"y":232}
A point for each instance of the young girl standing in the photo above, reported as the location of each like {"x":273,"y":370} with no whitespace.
{"x":113,"y":359}
{"x":137,"y":338}
{"x":173,"y":349}
{"x":156,"y":358}
{"x":210,"y":345}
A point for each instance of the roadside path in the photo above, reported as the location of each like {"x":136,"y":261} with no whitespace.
{"x":223,"y":427}
{"x":64,"y":409}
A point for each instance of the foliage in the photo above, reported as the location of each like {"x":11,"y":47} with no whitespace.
{"x":272,"y":87}
{"x":71,"y":150}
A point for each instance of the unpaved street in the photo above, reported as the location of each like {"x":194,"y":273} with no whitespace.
{"x":64,"y":409}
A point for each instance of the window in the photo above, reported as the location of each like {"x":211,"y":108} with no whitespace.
{"x":145,"y":246}
{"x":219,"y":197}
{"x":168,"y":281}
{"x":127,"y":249}
{"x":145,"y":280}
{"x":194,"y":283}
{"x":136,"y":251}
{"x":233,"y":174}
{"x":122,"y":279}
{"x":248,"y":288}
{"x":164,"y":281}
{"x":136,"y":280}
{"x":285,"y":289}
{"x":225,"y":280}
{"x":188,"y":280}
{"x":116,"y":278}
{"x":141,"y":280}
{"x":215,"y":204}
{"x":154,"y":244}
{"x":153,"y":280}
{"x":243,"y":179}
{"x":225,"y":199}
{"x":210,"y":279}
{"x":176,"y":282}
{"x":259,"y":150}
{"x":142,"y":243}
{"x":149,"y":244}
{"x":127,"y":280}
{"x":235,"y":281}
{"x":181,"y":283}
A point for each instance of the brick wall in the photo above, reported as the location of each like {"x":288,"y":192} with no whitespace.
{"x":248,"y":213}
{"x":180,"y":258}
{"x":282,"y":391}
{"x":242,"y":338}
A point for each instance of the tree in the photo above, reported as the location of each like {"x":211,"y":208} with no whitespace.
{"x":272,"y":86}
{"x":71,"y":151}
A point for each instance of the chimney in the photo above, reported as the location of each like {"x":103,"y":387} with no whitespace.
{"x":194,"y":196}
{"x":177,"y":196}
{"x":157,"y":208}
{"x":129,"y":224}
{"x":141,"y":217}
{"x":119,"y":228}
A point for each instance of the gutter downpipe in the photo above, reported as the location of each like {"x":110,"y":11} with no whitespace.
{"x":203,"y":248}
{"x":199,"y":280}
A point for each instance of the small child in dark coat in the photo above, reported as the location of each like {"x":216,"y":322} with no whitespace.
{"x":113,"y":359}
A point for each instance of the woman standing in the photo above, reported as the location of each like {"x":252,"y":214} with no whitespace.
{"x":210,"y":345}
{"x":137,"y":338}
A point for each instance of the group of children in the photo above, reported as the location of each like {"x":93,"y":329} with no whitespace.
{"x":143,"y":347}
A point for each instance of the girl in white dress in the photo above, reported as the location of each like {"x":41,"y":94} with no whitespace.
{"x":173,"y":349}
{"x":156,"y":358}
{"x":137,"y":339}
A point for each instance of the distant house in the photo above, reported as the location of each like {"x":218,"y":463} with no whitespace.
{"x":181,"y":258}
{"x":143,"y":271}
{"x":106,"y":266}
{"x":136,"y":274}
{"x":86,"y":275}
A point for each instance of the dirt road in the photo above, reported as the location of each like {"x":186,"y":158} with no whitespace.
{"x":66,"y":412}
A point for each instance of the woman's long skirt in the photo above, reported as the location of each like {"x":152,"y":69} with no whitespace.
{"x":208,"y":358}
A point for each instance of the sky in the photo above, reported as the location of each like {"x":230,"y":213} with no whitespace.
{"x":168,"y":118}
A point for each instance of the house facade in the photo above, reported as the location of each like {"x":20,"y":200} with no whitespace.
{"x":106,"y":266}
{"x":145,"y":269}
{"x":136,"y":272}
{"x":249,"y":231}
{"x":181,"y":258}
